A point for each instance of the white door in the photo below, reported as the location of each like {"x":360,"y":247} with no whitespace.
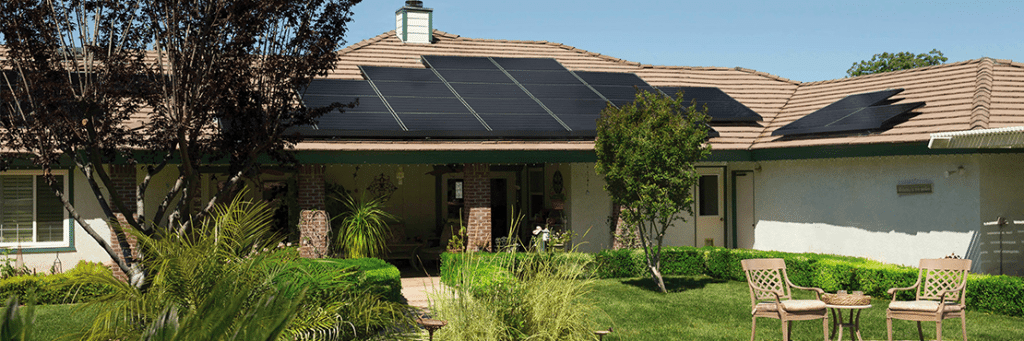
{"x":710,"y":207}
{"x":744,"y":209}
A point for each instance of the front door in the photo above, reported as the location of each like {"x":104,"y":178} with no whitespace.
{"x":710,"y":208}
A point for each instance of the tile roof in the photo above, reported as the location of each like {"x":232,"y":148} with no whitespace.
{"x":974,"y":94}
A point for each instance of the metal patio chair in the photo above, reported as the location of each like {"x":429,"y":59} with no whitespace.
{"x":941,"y":287}
{"x":771,"y":297}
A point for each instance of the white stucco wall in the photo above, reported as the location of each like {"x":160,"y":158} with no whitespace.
{"x":589,"y":207}
{"x":850,"y":206}
{"x":1002,"y":195}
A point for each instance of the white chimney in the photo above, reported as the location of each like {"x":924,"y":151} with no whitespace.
{"x":415,"y":24}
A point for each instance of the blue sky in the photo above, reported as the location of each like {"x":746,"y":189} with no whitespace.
{"x":800,"y":40}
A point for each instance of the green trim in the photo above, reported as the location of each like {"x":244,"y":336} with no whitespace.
{"x":735,"y":234}
{"x":863,"y":150}
{"x":445,"y":157}
{"x":71,"y":221}
{"x":430,"y":27}
{"x":405,"y":26}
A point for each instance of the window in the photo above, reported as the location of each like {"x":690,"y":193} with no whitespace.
{"x":30,"y":215}
{"x":708,"y":195}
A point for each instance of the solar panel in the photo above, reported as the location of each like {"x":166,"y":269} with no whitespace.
{"x":529,"y":64}
{"x":462,"y":63}
{"x":365,"y":103}
{"x":611,"y":78}
{"x":544,"y":77}
{"x":489,"y":90}
{"x":561,"y":91}
{"x":449,"y":105}
{"x":575,"y":107}
{"x":376,"y":73}
{"x":721,"y":106}
{"x":618,"y":92}
{"x":359,"y":121}
{"x":860,"y":112}
{"x":413,"y":89}
{"x":523,"y":122}
{"x":504,"y":105}
{"x":441,"y":121}
{"x":474,"y":76}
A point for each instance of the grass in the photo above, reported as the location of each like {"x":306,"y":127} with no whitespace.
{"x":58,"y":321}
{"x":702,"y":308}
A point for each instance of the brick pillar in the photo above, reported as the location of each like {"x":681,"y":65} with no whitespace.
{"x":477,"y":213}
{"x":314,"y":227}
{"x":314,"y":224}
{"x":122,"y":178}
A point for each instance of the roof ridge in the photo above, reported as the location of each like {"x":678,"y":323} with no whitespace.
{"x":368,"y":41}
{"x":897,"y":72}
{"x":982,"y":94}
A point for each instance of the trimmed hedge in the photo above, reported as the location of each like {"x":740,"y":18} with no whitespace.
{"x":56,"y":288}
{"x":326,"y":276}
{"x":997,"y":294}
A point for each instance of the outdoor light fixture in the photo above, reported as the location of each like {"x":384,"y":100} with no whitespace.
{"x":958,"y":171}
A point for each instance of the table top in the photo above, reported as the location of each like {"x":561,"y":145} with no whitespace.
{"x":847,"y":306}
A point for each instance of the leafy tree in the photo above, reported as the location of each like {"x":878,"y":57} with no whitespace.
{"x":885,"y":62}
{"x":646,"y":151}
{"x":179,"y":83}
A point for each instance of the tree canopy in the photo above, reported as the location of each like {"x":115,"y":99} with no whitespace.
{"x":158,"y":83}
{"x":886,"y":62}
{"x":647,"y":151}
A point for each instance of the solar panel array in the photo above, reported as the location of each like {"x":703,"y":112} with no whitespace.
{"x":721,"y":107}
{"x":860,"y":112}
{"x":478,"y":97}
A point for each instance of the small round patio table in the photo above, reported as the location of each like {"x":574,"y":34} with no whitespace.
{"x":853,"y":322}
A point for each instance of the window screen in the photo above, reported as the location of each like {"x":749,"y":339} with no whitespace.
{"x":708,"y":195}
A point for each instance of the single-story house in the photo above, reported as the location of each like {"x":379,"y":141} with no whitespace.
{"x":894,"y":166}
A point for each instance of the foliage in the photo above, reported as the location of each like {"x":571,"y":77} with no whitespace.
{"x":997,"y":294}
{"x":16,"y":322}
{"x":646,"y":151}
{"x":58,"y":288}
{"x":364,"y":228}
{"x":83,"y":74}
{"x":511,"y":297}
{"x":886,"y":62}
{"x":327,"y":277}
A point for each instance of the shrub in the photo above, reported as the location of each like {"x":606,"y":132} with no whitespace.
{"x":997,"y":294}
{"x":327,"y":276}
{"x":56,"y":288}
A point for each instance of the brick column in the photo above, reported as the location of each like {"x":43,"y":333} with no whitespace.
{"x":477,"y":213}
{"x":122,"y":178}
{"x":314,"y":224}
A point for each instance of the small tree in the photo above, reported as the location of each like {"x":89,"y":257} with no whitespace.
{"x":885,"y":62}
{"x":646,"y":151}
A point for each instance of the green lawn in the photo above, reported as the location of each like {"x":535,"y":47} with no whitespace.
{"x":56,"y":322}
{"x":702,"y":308}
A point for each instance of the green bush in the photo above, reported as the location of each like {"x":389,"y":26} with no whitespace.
{"x":997,"y":294}
{"x":56,"y":288}
{"x":328,"y":278}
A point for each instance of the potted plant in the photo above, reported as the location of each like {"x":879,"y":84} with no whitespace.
{"x":364,"y":229}
{"x":557,"y":201}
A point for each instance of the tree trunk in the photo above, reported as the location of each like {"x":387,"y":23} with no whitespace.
{"x":656,"y":275}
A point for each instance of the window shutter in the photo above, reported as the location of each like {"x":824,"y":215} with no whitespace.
{"x":16,"y":216}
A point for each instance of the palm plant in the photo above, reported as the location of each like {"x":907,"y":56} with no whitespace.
{"x":219,"y":281}
{"x":364,"y":229}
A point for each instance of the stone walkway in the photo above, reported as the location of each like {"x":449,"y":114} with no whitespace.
{"x":417,"y":290}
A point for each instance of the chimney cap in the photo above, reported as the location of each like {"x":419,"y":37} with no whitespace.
{"x":414,"y":3}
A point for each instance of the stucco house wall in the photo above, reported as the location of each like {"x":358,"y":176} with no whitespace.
{"x":850,"y":206}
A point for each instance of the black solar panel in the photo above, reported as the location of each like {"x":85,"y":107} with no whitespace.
{"x":860,"y":112}
{"x":427,"y":105}
{"x":474,"y":76}
{"x":504,"y":105}
{"x":365,"y":103}
{"x":489,"y":90}
{"x":617,"y":92}
{"x":575,"y":107}
{"x":439,"y":122}
{"x":376,"y":73}
{"x":721,"y":106}
{"x":413,"y":89}
{"x":544,"y":77}
{"x":462,"y":63}
{"x":561,"y":91}
{"x":359,"y":121}
{"x":523,"y":122}
{"x":529,"y":64}
{"x":611,"y":78}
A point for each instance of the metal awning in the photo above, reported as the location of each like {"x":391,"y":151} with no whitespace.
{"x":1009,"y":137}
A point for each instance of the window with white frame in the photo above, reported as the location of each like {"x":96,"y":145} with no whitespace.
{"x":30,"y":215}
